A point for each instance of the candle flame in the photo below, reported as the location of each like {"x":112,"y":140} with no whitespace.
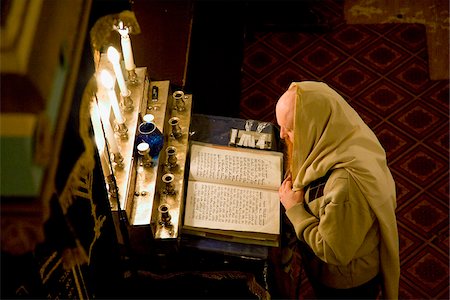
{"x":107,"y":79}
{"x":113,"y":55}
{"x":123,"y":31}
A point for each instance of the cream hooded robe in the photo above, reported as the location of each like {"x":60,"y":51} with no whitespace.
{"x":329,"y":135}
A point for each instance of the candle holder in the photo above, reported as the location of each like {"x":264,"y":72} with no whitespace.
{"x":127,"y":103}
{"x":144,"y":150}
{"x":112,"y":188}
{"x":165,"y":217}
{"x":132,"y":77}
{"x":169,"y":188}
{"x":121,"y":130}
{"x":171,"y":153}
{"x":178,"y":96}
{"x":118,"y":160}
{"x":176,"y":129}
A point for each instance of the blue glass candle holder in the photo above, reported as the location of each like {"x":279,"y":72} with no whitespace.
{"x":150,"y":134}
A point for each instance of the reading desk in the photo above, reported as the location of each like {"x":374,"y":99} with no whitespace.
{"x":202,"y":267}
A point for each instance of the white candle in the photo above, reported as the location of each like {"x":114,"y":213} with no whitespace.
{"x":114,"y":58}
{"x":108,"y":83}
{"x":99,"y":139}
{"x":97,"y":127}
{"x":126,"y":47}
{"x":115,"y":106}
{"x":108,"y":129}
{"x":127,"y":53}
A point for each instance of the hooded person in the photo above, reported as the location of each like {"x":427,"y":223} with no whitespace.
{"x":339,"y":194}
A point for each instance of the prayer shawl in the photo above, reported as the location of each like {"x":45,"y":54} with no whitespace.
{"x":329,"y":134}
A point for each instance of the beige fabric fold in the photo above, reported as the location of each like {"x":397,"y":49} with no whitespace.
{"x":329,"y":134}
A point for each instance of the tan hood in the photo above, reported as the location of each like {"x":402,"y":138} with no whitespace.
{"x":329,"y":134}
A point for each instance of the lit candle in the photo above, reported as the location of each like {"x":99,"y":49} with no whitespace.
{"x":126,"y":47}
{"x":108,"y":128}
{"x":114,"y":58}
{"x":97,"y":127}
{"x":108,"y":83}
{"x":99,"y":140}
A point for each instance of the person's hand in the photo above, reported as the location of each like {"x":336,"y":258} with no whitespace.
{"x":288,"y":197}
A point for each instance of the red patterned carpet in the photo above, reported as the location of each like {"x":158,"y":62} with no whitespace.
{"x":382,"y":71}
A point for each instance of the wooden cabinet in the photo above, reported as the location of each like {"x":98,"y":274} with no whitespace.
{"x":40,"y":55}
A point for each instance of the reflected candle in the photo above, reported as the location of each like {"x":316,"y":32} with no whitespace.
{"x":108,"y":83}
{"x":114,"y":58}
{"x":100,"y":139}
{"x":98,"y":118}
{"x":109,"y":131}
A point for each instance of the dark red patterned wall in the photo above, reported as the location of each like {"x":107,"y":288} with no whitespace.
{"x":382,"y":71}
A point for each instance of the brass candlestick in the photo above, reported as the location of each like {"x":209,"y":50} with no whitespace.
{"x":169,"y":188}
{"x":178,"y":97}
{"x":132,"y":76}
{"x":165,"y":215}
{"x":112,"y":188}
{"x":121,"y":130}
{"x":171,"y":153}
{"x":127,"y":103}
{"x":176,"y":129}
{"x":118,"y":159}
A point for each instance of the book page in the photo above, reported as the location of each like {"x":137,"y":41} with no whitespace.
{"x":217,"y":206}
{"x":236,"y":166}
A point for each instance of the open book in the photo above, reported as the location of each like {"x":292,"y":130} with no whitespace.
{"x":232,"y":194}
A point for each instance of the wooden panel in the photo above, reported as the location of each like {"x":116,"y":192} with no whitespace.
{"x":162,"y":46}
